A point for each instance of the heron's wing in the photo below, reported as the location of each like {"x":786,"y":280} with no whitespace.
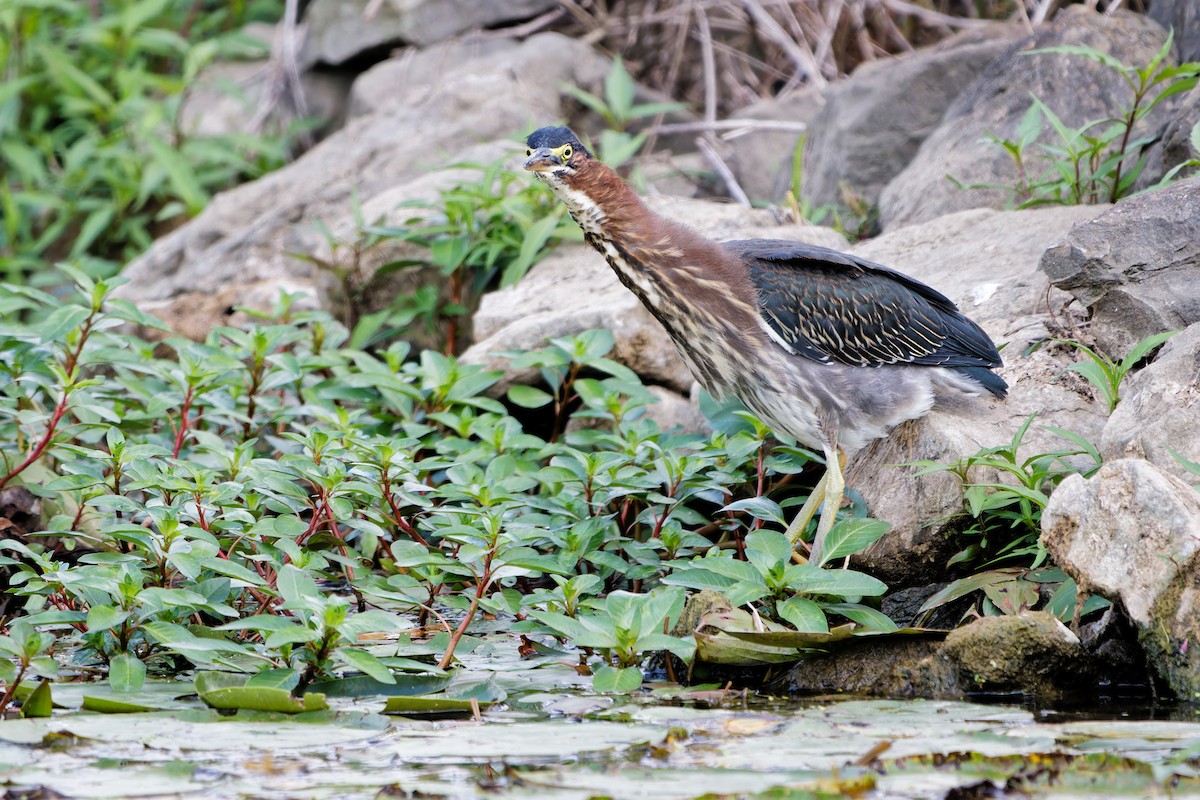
{"x":834,"y":307}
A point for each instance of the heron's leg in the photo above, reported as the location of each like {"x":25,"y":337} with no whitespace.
{"x":800,"y":521}
{"x":835,"y":487}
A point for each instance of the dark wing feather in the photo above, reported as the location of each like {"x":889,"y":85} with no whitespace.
{"x":831,"y":306}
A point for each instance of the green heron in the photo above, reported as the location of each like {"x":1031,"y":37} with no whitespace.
{"x":822,"y":346}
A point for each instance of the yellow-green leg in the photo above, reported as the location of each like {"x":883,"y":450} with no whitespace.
{"x":827,"y":494}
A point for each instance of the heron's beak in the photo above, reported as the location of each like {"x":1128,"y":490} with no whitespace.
{"x":543,"y":159}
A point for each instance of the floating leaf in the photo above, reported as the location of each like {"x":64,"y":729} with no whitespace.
{"x":437,"y":705}
{"x":403,"y":684}
{"x":230,"y":691}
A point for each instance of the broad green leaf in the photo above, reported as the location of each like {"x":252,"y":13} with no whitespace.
{"x":864,"y":615}
{"x":850,"y":536}
{"x":366,"y":663}
{"x":296,"y":634}
{"x":804,"y":615}
{"x":768,"y":549}
{"x":808,"y":579}
{"x":529,"y":396}
{"x":763,"y":508}
{"x":619,"y":90}
{"x":613,"y":680}
{"x":298,"y":589}
{"x":102,"y":618}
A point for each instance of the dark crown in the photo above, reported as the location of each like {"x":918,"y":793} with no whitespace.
{"x":555,"y":136}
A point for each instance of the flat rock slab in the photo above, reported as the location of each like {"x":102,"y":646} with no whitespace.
{"x":249,"y":237}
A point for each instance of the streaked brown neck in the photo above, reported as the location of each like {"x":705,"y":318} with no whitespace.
{"x":659,"y":259}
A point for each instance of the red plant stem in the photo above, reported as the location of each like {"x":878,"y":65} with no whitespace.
{"x":36,"y":453}
{"x":397,"y":517}
{"x":480,"y":589}
{"x":68,"y":365}
{"x":333,"y":528}
{"x":12,"y":688}
{"x":404,"y":524}
{"x":183,"y":421}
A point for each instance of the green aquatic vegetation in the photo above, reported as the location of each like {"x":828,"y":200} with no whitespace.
{"x":275,"y":498}
{"x":95,"y":157}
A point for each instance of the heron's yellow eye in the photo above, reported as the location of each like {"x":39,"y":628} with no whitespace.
{"x":528,"y":151}
{"x":566,"y":152}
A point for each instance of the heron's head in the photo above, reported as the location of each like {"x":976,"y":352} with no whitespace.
{"x":555,"y":154}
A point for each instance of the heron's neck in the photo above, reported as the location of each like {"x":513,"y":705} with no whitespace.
{"x":659,"y":259}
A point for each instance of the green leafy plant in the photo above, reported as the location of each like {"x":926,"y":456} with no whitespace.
{"x":1013,"y":590}
{"x":478,"y":235}
{"x":620,"y":110}
{"x":95,"y":157}
{"x":800,"y":594}
{"x":623,"y":631}
{"x":1099,"y":161}
{"x":319,"y":633}
{"x":199,"y":496}
{"x":1005,"y":492}
{"x":25,"y":655}
{"x":1105,"y":373}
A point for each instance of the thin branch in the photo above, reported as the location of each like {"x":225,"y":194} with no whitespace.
{"x":710,"y":66}
{"x":737,"y":127}
{"x":800,"y":56}
{"x":933,"y":17}
{"x":731,"y":185}
{"x":525,"y":29}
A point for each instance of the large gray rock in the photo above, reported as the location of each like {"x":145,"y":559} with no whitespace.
{"x":1077,"y":89}
{"x":418,"y":73}
{"x":573,"y":290}
{"x":1172,"y":145}
{"x":1160,"y":406}
{"x":340,"y":30}
{"x":985,"y":261}
{"x":1182,"y":16}
{"x":1129,"y":533}
{"x":1135,"y":267}
{"x":247,"y":237}
{"x":872,"y":123}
